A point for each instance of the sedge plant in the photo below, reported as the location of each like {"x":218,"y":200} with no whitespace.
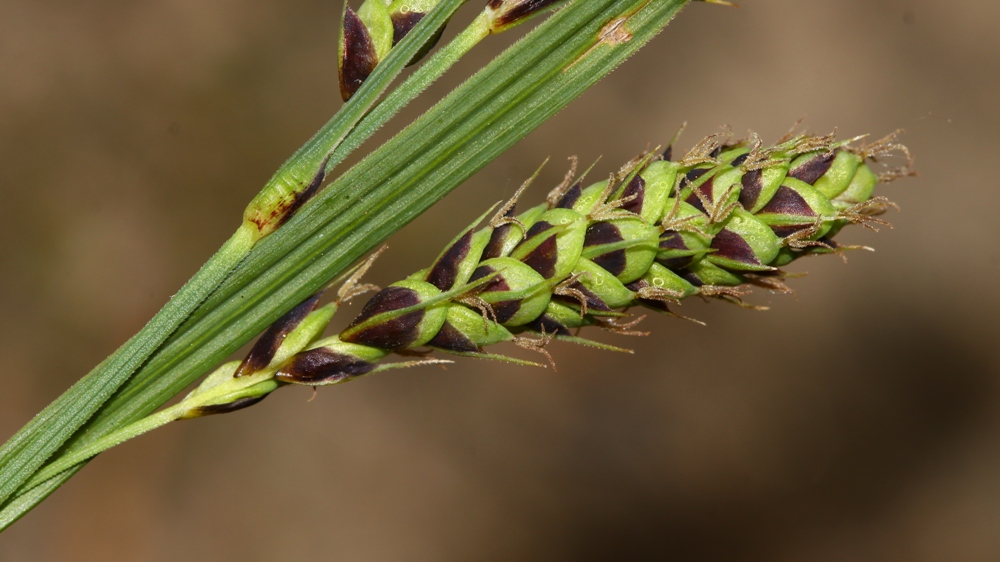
{"x":722,"y":219}
{"x":651,"y":235}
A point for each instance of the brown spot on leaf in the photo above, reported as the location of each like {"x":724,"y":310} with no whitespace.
{"x":814,"y":168}
{"x":360,"y":57}
{"x":394,"y":333}
{"x":442,"y":275}
{"x":322,"y":366}
{"x":272,"y":338}
{"x":269,"y":219}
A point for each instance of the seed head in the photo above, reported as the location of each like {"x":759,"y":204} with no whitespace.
{"x":719,"y":221}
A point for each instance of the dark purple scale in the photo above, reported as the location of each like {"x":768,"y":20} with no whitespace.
{"x":451,"y":339}
{"x":637,"y":188}
{"x":444,"y":272}
{"x":269,"y":342}
{"x":788,"y":202}
{"x":641,"y":284}
{"x":690,"y":277}
{"x":599,"y":234}
{"x":752,"y":185}
{"x":395,"y":333}
{"x":548,"y":325}
{"x":494,"y":248}
{"x":544,"y":257}
{"x":571,"y":196}
{"x":360,"y":57}
{"x":672,"y":240}
{"x":237,"y":404}
{"x":732,"y":246}
{"x":814,"y":168}
{"x":706,"y":190}
{"x":739,"y":160}
{"x":403,"y":23}
{"x":594,"y":302}
{"x":503,"y":310}
{"x":323,"y":366}
{"x":520,"y":10}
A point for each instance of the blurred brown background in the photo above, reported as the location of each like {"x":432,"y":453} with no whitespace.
{"x":858,"y":421}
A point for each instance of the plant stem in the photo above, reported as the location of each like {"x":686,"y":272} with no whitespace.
{"x":430,"y":71}
{"x":231,"y":389}
{"x":27,"y":450}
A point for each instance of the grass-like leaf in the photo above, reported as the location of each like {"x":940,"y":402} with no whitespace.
{"x":29,"y":448}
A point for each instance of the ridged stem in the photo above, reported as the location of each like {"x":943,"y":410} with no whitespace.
{"x":427,"y":74}
{"x":46,"y":432}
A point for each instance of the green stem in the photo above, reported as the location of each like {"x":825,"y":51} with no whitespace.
{"x":149,"y":423}
{"x":27,"y":450}
{"x":227,"y":392}
{"x":417,"y":82}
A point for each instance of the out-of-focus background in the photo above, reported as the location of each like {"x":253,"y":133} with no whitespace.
{"x":859,"y":420}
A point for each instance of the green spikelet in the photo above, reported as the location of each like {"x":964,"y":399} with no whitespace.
{"x":725,"y":217}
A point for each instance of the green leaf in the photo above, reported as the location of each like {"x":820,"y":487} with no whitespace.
{"x":497,"y":107}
